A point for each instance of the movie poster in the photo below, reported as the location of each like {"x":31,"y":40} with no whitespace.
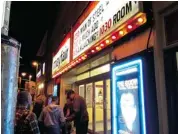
{"x":127,"y":80}
{"x":89,"y":94}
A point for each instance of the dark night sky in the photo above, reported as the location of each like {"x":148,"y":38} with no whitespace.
{"x":28,"y":23}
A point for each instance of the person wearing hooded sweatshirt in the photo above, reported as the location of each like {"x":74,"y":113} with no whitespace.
{"x":52,"y":117}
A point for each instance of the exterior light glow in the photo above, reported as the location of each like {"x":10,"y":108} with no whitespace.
{"x":80,"y":59}
{"x":107,"y":41}
{"x":77,"y":61}
{"x":121,"y":33}
{"x":140,"y":20}
{"x":129,"y":26}
{"x":30,"y":76}
{"x":24,"y":74}
{"x":34,"y":63}
{"x":113,"y":37}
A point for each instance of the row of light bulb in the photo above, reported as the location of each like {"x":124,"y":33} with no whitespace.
{"x":128,"y":28}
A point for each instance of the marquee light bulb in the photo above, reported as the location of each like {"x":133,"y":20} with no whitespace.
{"x":113,"y":37}
{"x":92,"y":51}
{"x":98,"y":48}
{"x":107,"y":41}
{"x":121,"y":33}
{"x":129,"y":26}
{"x":102,"y":45}
{"x":140,"y":20}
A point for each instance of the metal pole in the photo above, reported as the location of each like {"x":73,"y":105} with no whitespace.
{"x":10,"y":51}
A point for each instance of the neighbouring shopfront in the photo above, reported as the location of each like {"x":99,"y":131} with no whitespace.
{"x":40,"y":80}
{"x":166,"y":64}
{"x":83,"y":64}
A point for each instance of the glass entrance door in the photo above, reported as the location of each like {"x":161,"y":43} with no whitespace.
{"x":97,"y":96}
{"x":89,"y":102}
{"x":99,"y":108}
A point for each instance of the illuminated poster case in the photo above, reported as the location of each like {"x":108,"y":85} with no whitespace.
{"x":128,"y":110}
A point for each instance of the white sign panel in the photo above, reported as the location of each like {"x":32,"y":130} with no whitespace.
{"x":43,"y":68}
{"x":105,"y":17}
{"x":62,"y":57}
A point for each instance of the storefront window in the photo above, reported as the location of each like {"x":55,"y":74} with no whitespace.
{"x":83,"y":76}
{"x":100,"y":70}
{"x":171,"y":76}
{"x":171,"y":27}
{"x":82,"y":91}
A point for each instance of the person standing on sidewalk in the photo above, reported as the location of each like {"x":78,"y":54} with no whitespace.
{"x":52,"y":117}
{"x":68,"y":110}
{"x":80,"y":114}
{"x":25,"y":121}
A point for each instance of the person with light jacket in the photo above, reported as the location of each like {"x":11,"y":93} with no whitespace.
{"x":52,"y":117}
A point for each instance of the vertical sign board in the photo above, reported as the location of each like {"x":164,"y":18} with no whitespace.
{"x":128,"y":111}
{"x":62,"y":57}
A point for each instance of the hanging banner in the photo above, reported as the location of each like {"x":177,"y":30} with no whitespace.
{"x":103,"y":19}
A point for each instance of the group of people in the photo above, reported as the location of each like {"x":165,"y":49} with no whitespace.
{"x":51,"y":119}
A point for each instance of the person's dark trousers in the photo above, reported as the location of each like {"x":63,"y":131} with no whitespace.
{"x":82,"y":127}
{"x":64,"y":129}
{"x":52,"y":130}
{"x":41,"y":127}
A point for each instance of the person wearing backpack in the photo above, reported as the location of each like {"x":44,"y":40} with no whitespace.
{"x":25,"y":120}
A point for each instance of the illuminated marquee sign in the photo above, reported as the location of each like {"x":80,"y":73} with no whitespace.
{"x":128,"y":111}
{"x":104,"y":18}
{"x":62,"y":57}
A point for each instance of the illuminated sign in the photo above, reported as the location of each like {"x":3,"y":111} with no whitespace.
{"x":128,"y":111}
{"x":43,"y":68}
{"x":38,"y":74}
{"x":55,"y":90}
{"x":104,"y":18}
{"x":62,"y":57}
